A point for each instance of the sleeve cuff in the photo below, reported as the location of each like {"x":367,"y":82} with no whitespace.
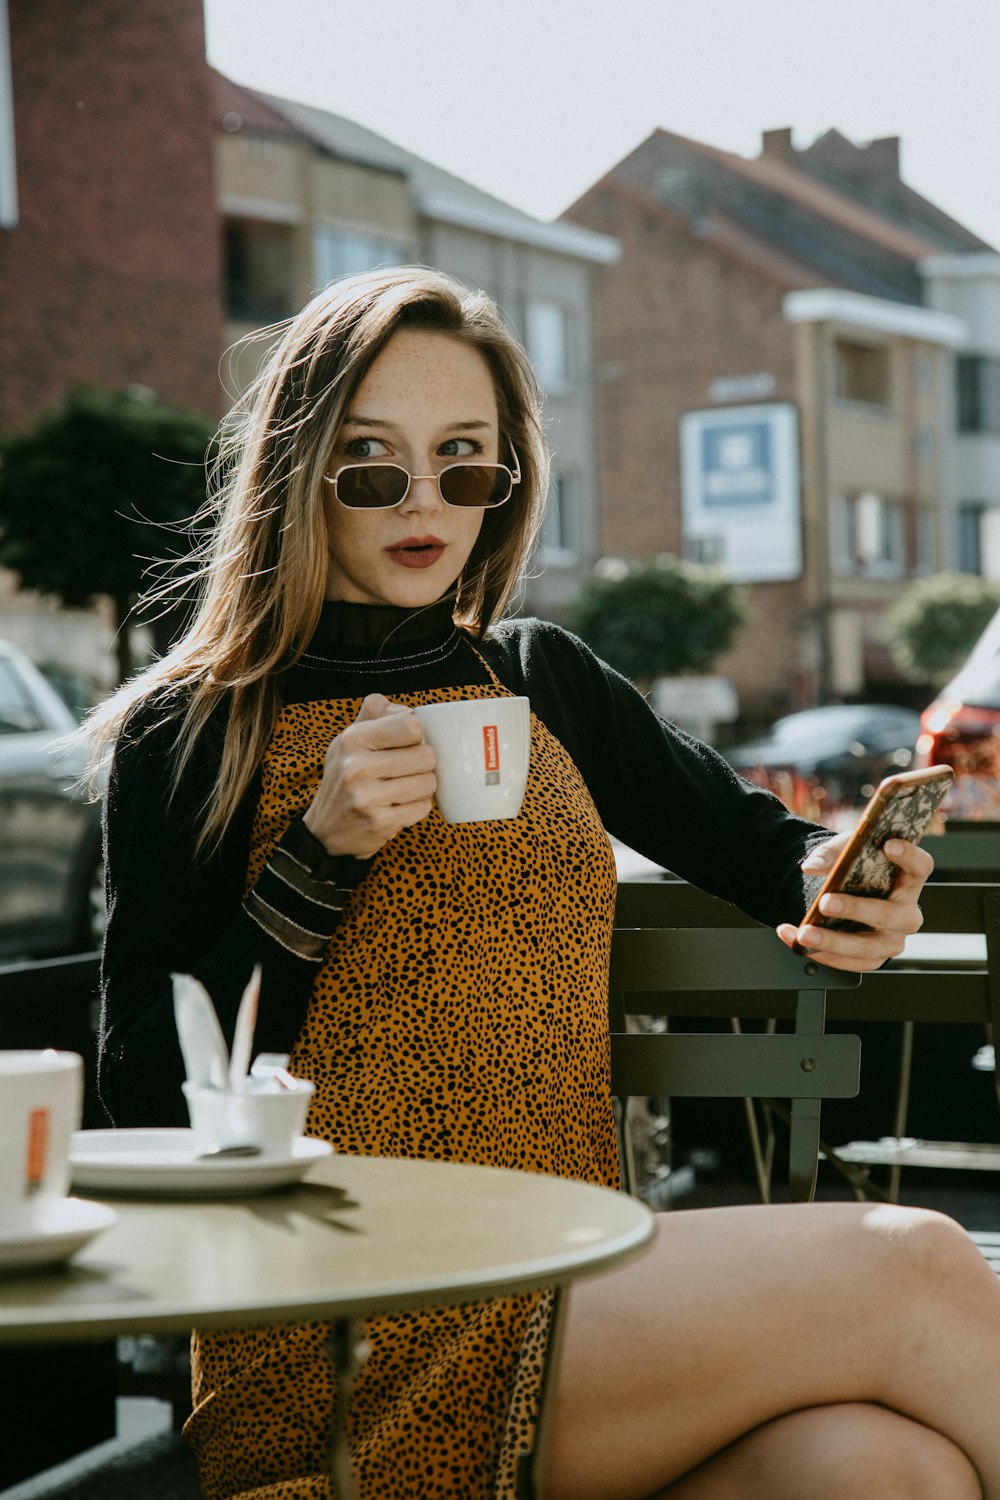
{"x":302,"y":891}
{"x":341,"y":870}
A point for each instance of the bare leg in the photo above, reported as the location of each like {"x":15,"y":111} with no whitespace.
{"x":849,"y":1452}
{"x":737,"y":1317}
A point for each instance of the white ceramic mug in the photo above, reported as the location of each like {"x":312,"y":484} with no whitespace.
{"x":41,"y":1104}
{"x":483,"y":747}
{"x":264,"y":1114}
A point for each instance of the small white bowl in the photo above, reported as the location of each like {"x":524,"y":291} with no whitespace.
{"x":264,"y":1115}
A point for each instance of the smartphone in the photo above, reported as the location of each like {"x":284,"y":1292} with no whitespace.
{"x":901,"y":808}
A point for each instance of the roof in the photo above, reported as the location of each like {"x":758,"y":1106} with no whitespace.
{"x":776,"y":213}
{"x":723,"y":233}
{"x":722,"y":230}
{"x":439,"y":195}
{"x":801,"y":187}
{"x":238,"y":108}
{"x":869,"y":174}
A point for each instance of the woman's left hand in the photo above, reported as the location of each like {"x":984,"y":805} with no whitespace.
{"x":891,"y":920}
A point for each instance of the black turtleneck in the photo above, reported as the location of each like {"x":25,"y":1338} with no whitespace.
{"x":661,"y":792}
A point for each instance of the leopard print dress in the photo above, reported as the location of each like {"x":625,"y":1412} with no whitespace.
{"x":460,"y":1014}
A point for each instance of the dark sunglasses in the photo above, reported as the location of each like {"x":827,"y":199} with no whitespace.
{"x":381,"y":486}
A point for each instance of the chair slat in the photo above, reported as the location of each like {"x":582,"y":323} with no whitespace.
{"x":666,"y":958}
{"x":735,"y":1067}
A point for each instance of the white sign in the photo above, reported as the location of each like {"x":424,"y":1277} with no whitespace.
{"x":740,"y":499}
{"x":741,"y":388}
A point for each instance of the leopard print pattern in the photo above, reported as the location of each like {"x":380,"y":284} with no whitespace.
{"x":460,"y":1014}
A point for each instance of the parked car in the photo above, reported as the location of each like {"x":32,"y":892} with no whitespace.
{"x":845,"y":749}
{"x":961,"y":729}
{"x":51,"y":872}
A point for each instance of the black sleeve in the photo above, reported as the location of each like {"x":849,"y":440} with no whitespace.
{"x":172,"y":911}
{"x":662,"y":792}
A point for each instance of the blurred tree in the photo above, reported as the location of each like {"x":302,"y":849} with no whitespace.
{"x":934,"y":625}
{"x":660,"y":617}
{"x":96,"y":481}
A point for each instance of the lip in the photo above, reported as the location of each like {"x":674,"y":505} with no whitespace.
{"x":417,"y":551}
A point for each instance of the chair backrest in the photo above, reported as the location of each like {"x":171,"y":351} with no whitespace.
{"x":674,"y":903}
{"x":721,"y":970}
{"x":903,"y":991}
{"x":922,"y":988}
{"x":967,"y":852}
{"x":652,"y":967}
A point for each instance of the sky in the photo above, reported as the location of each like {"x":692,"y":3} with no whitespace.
{"x":533,"y":100}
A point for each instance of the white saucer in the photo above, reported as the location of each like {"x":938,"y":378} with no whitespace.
{"x":164,"y":1163}
{"x":66,"y":1226}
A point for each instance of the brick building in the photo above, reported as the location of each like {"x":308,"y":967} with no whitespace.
{"x":111,"y":266}
{"x":708,"y":311}
{"x":110,"y":263}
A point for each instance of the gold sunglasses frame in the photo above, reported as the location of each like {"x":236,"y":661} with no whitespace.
{"x":515,"y":478}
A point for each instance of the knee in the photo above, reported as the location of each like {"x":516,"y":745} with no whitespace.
{"x":926,"y":1252}
{"x":856,"y":1452}
{"x":913,"y":1463}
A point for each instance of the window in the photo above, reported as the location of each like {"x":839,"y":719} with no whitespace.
{"x":8,"y":158}
{"x":970,"y":551}
{"x":989,"y":533}
{"x":341,"y":252}
{"x":559,"y":526}
{"x":979,"y":539}
{"x":868,"y":536}
{"x":861,"y":372}
{"x":259,"y":281}
{"x":978,"y":393}
{"x":546,"y":333}
{"x":708,"y":550}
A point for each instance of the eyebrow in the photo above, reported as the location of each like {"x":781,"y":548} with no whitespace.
{"x":356,"y":420}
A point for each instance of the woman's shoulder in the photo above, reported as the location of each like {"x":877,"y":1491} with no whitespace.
{"x":568,"y":685}
{"x":533,"y":639}
{"x":542,"y":649}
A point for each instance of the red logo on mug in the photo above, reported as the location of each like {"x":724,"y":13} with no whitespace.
{"x":38,"y":1148}
{"x":491,"y":752}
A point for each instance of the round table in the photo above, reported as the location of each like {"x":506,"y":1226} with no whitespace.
{"x":359,"y":1235}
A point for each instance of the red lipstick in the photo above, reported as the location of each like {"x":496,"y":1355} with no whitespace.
{"x":416,"y":551}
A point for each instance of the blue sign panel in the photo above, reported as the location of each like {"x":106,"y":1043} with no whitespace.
{"x":736,"y":464}
{"x":740,"y":490}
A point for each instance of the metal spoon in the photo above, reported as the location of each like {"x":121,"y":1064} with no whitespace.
{"x":221,"y":1151}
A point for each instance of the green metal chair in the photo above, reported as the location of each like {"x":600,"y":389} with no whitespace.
{"x":722,"y":967}
{"x":966,"y":851}
{"x":923,"y":988}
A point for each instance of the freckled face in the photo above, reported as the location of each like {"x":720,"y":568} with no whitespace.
{"x":428,"y":400}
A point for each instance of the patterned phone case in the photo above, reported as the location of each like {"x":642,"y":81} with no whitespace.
{"x":901,"y":808}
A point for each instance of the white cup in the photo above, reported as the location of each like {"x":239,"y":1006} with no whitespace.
{"x":41,"y":1104}
{"x":264,"y":1114}
{"x":482,"y":746}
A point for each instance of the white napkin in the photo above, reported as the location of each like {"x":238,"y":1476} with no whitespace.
{"x":246,"y":1022}
{"x":206,"y":1056}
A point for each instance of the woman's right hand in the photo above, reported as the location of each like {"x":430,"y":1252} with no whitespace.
{"x":378,"y":778}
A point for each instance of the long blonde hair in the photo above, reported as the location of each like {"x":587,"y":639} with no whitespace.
{"x":260,"y":573}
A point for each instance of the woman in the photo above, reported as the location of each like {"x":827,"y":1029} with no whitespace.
{"x":444,"y":986}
